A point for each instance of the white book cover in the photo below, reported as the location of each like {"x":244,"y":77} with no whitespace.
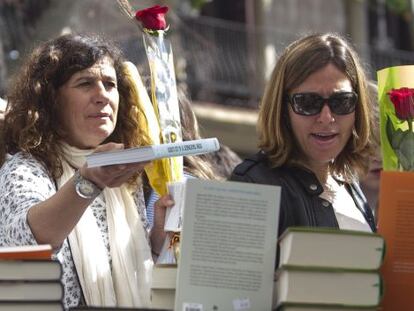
{"x":228,"y":246}
{"x":149,"y":153}
{"x":173,"y":216}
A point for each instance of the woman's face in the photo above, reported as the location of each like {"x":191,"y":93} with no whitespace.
{"x":89,"y":105}
{"x":322,"y":137}
{"x":371,"y":181}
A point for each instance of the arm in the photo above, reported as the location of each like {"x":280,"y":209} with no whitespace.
{"x":52,"y":219}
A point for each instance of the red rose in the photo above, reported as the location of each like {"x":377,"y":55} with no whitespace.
{"x":403,"y":101}
{"x":153,"y":18}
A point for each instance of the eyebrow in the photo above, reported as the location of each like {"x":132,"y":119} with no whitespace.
{"x":89,"y":76}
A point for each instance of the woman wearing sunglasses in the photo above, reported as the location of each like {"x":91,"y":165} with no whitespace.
{"x":314,"y":136}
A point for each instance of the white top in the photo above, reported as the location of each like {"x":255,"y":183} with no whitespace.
{"x":347,"y":213}
{"x":24,"y":182}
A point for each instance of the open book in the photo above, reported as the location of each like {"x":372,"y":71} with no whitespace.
{"x":149,"y":153}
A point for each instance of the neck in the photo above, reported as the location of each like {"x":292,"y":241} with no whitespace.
{"x":320,"y":170}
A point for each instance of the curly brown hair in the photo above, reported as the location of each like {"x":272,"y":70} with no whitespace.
{"x":31,"y":124}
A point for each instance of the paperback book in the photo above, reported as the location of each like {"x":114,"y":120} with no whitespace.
{"x":30,"y":270}
{"x":228,"y":246}
{"x":353,"y":288}
{"x":33,"y":252}
{"x":149,"y":153}
{"x":31,"y":306}
{"x":326,"y":247}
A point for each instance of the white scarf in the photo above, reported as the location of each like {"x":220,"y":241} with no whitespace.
{"x":129,"y":283}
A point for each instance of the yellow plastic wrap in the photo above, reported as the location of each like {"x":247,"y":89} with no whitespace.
{"x":164,"y":170}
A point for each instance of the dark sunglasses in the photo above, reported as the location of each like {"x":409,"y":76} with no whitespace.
{"x":310,"y":104}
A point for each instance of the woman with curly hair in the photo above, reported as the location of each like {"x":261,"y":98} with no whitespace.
{"x":72,"y":99}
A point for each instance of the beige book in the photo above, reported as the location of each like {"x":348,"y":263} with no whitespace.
{"x":164,"y":276}
{"x":228,"y":246}
{"x":162,"y":298}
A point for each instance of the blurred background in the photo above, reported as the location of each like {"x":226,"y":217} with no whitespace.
{"x":224,"y":50}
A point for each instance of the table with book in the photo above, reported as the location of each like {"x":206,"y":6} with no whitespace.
{"x":319,"y":268}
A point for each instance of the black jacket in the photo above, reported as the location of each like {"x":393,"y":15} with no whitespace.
{"x":300,"y":203}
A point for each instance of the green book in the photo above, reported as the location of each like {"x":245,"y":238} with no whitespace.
{"x":327,"y":247}
{"x":310,"y":285}
{"x":321,"y":307}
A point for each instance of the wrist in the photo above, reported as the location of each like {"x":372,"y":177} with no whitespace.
{"x":84,"y":187}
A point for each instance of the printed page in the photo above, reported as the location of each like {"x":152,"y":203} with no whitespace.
{"x":228,"y":246}
{"x":396,"y":223}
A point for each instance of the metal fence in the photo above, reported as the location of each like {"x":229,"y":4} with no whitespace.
{"x":216,"y":59}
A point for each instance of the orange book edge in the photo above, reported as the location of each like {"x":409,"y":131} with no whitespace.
{"x":26,"y":252}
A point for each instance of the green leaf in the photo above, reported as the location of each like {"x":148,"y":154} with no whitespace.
{"x":394,"y":136}
{"x":406,"y":152}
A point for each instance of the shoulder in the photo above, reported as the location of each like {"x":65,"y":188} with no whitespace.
{"x":257,"y":169}
{"x":21,"y":165}
{"x":255,"y":161}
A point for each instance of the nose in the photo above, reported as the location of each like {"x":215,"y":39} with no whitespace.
{"x":326,"y":116}
{"x":101,"y":93}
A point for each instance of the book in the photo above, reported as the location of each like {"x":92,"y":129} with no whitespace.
{"x":163,"y":298}
{"x":149,"y":153}
{"x":173,"y":215}
{"x":81,"y":308}
{"x":30,"y":291}
{"x":296,"y":284}
{"x":33,"y":252}
{"x":34,"y":270}
{"x":164,"y":276}
{"x":322,"y":307}
{"x":395,"y":224}
{"x":327,"y":247}
{"x":228,"y":246}
{"x":31,"y":306}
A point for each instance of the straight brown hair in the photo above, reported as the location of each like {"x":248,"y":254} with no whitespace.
{"x":298,"y":61}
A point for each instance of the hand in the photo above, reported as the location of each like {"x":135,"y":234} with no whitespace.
{"x":111,"y":175}
{"x":160,"y":207}
{"x":158,"y":235}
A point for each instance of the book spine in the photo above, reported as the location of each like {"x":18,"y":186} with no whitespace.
{"x":192,"y":147}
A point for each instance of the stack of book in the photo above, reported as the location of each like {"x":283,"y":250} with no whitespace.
{"x":29,"y":279}
{"x":329,"y":269}
{"x":164,"y":279}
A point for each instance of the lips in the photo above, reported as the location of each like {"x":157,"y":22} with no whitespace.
{"x":324,"y":136}
{"x":100,"y":115}
{"x":376,"y":171}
